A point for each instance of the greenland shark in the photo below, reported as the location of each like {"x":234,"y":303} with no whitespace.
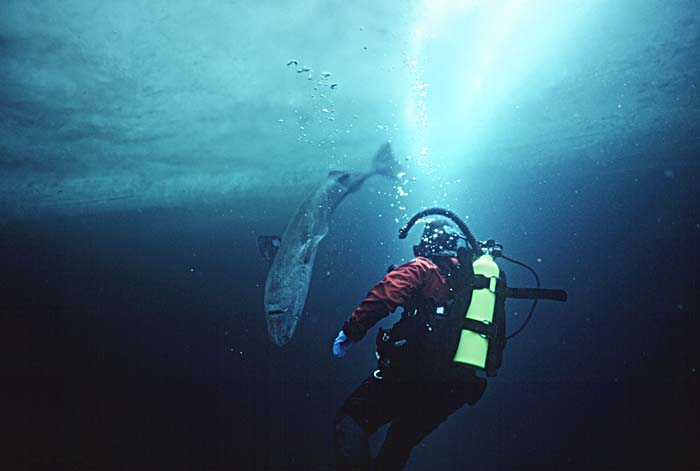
{"x":293,"y":254}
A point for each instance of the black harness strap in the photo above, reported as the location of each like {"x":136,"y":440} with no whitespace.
{"x":487,"y":329}
{"x":484,"y":282}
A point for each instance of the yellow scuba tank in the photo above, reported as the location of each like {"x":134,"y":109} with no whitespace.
{"x":472,"y":333}
{"x":473,"y":347}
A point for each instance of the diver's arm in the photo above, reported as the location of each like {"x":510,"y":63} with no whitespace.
{"x":395,"y":289}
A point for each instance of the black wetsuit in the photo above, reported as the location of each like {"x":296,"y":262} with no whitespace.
{"x":414,"y":406}
{"x":414,"y":410}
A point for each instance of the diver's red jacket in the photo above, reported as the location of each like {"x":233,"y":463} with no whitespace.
{"x":417,"y":280}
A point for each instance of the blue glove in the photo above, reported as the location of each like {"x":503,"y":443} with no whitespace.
{"x":341,"y":345}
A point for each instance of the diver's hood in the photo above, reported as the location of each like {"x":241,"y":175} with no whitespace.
{"x":441,"y":238}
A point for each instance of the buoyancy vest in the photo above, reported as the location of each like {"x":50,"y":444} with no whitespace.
{"x":455,"y":338}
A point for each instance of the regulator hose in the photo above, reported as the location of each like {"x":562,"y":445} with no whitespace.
{"x":534,"y":302}
{"x":403,"y":232}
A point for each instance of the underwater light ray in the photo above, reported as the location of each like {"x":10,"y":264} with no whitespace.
{"x":470,"y":61}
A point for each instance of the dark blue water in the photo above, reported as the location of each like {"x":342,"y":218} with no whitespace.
{"x":136,"y":340}
{"x":144,"y":147}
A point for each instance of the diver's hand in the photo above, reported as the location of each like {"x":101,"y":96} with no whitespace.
{"x":341,"y":345}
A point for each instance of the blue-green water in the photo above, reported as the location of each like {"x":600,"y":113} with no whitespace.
{"x":144,"y":148}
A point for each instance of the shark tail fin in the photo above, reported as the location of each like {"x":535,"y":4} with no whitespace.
{"x":384,"y":162}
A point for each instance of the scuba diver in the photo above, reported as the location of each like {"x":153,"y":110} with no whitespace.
{"x":430,"y":362}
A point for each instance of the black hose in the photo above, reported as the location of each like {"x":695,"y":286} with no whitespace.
{"x":442,"y":212}
{"x":534,"y":303}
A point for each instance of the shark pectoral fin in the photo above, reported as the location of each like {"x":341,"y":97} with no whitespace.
{"x":308,"y":251}
{"x":309,"y":248}
{"x":268,"y":246}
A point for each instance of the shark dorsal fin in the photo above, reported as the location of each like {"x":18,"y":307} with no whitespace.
{"x":340,"y":176}
{"x":268,"y":246}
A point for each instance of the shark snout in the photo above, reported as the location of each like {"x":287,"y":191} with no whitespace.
{"x":280,"y":324}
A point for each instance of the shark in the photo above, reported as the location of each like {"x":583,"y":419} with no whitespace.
{"x":292,"y":256}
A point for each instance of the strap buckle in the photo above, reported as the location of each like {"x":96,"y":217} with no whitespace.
{"x":492,"y":283}
{"x":485,"y":329}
